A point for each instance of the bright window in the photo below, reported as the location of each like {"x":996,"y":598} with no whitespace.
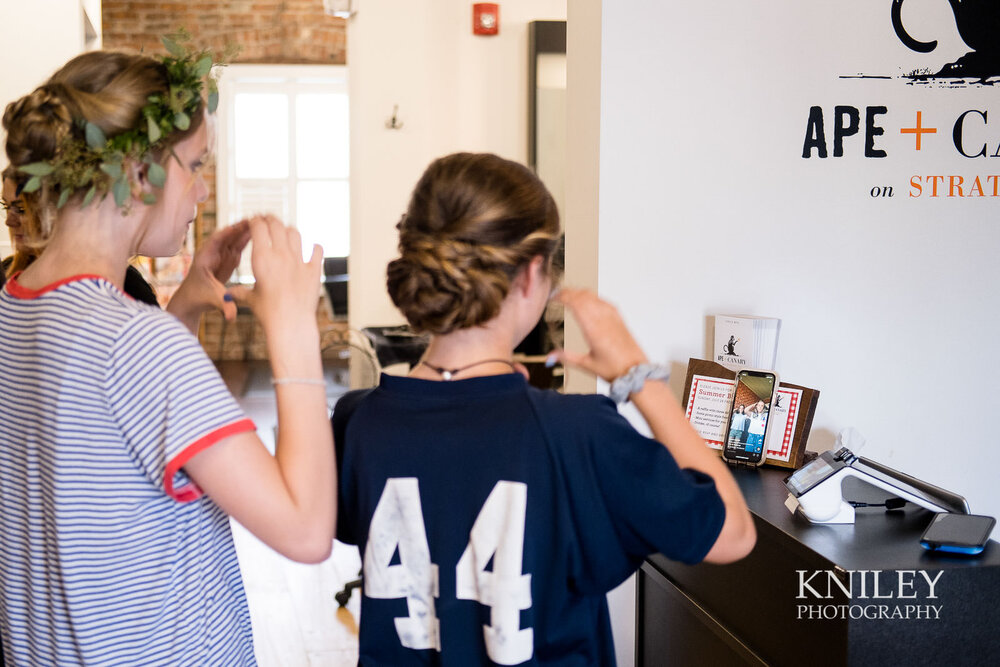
{"x":283,"y":149}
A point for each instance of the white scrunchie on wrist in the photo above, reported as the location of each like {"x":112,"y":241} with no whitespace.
{"x":634,"y":379}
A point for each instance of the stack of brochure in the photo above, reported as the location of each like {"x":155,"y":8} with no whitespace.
{"x":745,"y":341}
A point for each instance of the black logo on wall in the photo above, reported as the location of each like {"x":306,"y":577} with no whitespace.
{"x":973,"y":132}
{"x":978,"y":23}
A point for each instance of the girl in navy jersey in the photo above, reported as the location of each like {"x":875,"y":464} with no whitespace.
{"x":122,"y":454}
{"x":493,"y":517}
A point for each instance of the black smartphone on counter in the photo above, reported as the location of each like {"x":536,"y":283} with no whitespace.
{"x":965,"y":534}
{"x":749,"y":417}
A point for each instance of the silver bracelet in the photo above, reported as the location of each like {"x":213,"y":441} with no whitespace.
{"x":635,"y":378}
{"x":277,"y":381}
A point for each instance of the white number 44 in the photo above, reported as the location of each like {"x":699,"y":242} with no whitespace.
{"x":497,"y":534}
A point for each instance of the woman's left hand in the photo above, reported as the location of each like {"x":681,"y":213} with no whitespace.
{"x":203,"y":288}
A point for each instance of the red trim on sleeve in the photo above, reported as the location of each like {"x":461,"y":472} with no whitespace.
{"x":190,"y":491}
{"x":18,"y":291}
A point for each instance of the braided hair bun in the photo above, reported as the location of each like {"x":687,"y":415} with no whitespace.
{"x":474,"y":221}
{"x":105,"y":88}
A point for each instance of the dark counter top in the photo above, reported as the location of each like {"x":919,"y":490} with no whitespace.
{"x":876,"y":540}
{"x":869,"y":599}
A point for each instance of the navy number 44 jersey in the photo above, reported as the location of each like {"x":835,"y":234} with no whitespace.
{"x":493,"y":517}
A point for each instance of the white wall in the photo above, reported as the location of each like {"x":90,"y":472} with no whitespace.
{"x":455,"y":92}
{"x":687,"y":123}
{"x":889,"y":305}
{"x":38,"y":37}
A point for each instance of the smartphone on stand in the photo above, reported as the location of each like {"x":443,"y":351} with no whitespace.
{"x":749,"y":417}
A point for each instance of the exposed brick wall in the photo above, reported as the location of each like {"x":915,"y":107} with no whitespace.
{"x":243,"y":338}
{"x":267,"y":31}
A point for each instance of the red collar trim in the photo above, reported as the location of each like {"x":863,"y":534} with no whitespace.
{"x":16,"y":290}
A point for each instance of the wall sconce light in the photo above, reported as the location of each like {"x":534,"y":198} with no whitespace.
{"x":342,"y":9}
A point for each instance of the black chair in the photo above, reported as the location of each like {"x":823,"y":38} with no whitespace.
{"x":335,"y":282}
{"x":398,"y":344}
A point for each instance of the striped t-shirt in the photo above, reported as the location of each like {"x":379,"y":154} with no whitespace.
{"x":110,"y":554}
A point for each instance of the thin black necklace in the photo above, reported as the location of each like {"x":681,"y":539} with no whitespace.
{"x":449,"y":373}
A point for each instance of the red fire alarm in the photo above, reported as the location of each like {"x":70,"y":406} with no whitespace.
{"x":485,"y":18}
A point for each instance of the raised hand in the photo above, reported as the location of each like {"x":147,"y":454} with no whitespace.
{"x":613,"y":350}
{"x":203,"y":288}
{"x":287,"y":288}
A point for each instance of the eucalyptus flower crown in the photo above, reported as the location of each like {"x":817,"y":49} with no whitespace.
{"x":98,"y":165}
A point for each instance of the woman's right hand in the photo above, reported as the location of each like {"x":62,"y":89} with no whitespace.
{"x":287,"y":288}
{"x":288,"y":500}
{"x":613,"y":349}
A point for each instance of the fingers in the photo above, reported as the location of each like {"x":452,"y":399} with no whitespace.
{"x":221,"y":252}
{"x":228,"y":309}
{"x":613,"y":350}
{"x":219,"y":297}
{"x":291,"y":240}
{"x":584,"y":304}
{"x":590,"y":311}
{"x":236,"y":236}
{"x":240,"y":293}
{"x":271,"y":233}
{"x":260,"y":233}
{"x":231,"y":237}
{"x":569,"y":358}
{"x":235,"y":296}
{"x":317,"y":255}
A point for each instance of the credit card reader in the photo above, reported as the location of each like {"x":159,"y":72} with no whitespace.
{"x":815,"y":488}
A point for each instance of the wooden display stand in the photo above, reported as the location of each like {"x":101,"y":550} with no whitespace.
{"x":806,"y":408}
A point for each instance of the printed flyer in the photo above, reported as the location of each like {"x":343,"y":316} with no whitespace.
{"x":708,"y":411}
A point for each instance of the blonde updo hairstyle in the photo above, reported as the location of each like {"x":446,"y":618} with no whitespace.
{"x":474,"y":221}
{"x":106,"y":88}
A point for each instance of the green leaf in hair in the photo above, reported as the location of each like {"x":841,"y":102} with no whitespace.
{"x":89,"y":161}
{"x":37,"y":169}
{"x":157,"y":175}
{"x":87,"y":198}
{"x":203,"y":66}
{"x":121,"y":191}
{"x":112,"y":169}
{"x":95,"y":136}
{"x":175,"y":49}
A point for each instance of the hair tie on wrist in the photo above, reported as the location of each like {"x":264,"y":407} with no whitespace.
{"x":635,"y":378}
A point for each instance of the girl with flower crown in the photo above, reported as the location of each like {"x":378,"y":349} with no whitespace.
{"x":122,"y":454}
{"x":500,"y":513}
